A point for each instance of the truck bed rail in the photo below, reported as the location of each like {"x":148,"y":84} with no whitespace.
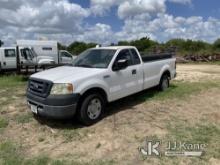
{"x":156,"y":57}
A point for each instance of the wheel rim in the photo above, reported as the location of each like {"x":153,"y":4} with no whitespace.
{"x":94,"y":108}
{"x":165,"y":83}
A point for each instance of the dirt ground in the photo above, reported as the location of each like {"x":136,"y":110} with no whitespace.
{"x":199,"y":72}
{"x":117,"y":137}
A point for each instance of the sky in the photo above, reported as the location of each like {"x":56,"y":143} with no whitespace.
{"x":109,"y":21}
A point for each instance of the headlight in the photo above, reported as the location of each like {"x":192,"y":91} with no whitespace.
{"x":61,"y":89}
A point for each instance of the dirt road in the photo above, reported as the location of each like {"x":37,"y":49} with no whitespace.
{"x":188,"y":111}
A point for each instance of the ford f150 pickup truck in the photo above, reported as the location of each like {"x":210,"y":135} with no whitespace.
{"x":98,"y":76}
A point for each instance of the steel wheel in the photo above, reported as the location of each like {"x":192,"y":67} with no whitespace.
{"x":94,"y":108}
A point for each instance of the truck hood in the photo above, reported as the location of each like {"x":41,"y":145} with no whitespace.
{"x":66,"y":74}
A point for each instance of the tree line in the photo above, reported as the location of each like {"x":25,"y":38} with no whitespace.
{"x":145,"y":45}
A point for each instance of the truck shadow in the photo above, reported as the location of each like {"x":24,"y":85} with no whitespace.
{"x":112,"y":108}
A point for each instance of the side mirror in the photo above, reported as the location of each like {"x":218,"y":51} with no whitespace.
{"x":120,"y":64}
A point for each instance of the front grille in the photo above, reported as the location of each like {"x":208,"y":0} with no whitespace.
{"x":39,"y":87}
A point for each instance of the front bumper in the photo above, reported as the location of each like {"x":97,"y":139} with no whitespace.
{"x":58,"y":107}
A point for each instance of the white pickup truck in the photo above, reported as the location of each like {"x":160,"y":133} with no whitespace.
{"x":98,"y":76}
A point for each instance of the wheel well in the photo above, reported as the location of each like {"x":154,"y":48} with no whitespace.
{"x":94,"y":90}
{"x":167,"y":72}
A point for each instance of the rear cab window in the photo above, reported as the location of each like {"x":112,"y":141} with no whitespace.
{"x":136,"y":58}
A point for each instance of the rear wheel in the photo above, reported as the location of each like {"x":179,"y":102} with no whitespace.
{"x":91,"y":109}
{"x":164,"y":83}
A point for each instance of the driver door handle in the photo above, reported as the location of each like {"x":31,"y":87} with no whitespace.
{"x":134,"y":71}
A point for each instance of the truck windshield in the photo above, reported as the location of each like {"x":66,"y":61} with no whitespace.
{"x":94,"y":58}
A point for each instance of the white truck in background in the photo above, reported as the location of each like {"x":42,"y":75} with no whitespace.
{"x":98,"y":76}
{"x":8,"y":57}
{"x":46,"y":52}
{"x":33,"y":53}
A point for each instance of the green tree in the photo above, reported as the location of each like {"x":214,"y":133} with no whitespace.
{"x":216,"y":45}
{"x":61,"y":47}
{"x":123,"y":43}
{"x":142,"y":44}
{"x":78,"y":47}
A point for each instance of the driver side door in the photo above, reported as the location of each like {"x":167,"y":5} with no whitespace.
{"x":10,"y":59}
{"x":124,"y":82}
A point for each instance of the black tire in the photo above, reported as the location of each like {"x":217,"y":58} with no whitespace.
{"x":84,"y":115}
{"x":164,"y":82}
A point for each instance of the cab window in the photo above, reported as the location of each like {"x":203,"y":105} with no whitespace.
{"x":125,"y":54}
{"x":10,"y":53}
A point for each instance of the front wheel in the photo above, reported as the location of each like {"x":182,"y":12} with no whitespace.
{"x":91,"y":109}
{"x":164,"y":83}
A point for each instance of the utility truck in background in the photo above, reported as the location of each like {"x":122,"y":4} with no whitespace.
{"x":97,"y":76}
{"x":33,"y":53}
{"x":8,"y":57}
{"x":46,"y":52}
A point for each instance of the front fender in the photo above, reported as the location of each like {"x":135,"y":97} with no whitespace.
{"x":92,"y":83}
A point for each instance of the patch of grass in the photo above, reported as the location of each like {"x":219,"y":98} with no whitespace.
{"x":12,"y":81}
{"x":3,"y":122}
{"x":179,"y":90}
{"x":98,"y":145}
{"x":10,"y":154}
{"x":40,"y":160}
{"x":71,"y":134}
{"x":41,"y":139}
{"x":205,"y":133}
{"x":24,"y":118}
{"x":6,"y":101}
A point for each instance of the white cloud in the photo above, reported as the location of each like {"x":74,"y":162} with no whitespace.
{"x":100,"y":33}
{"x":65,"y":21}
{"x":181,"y":1}
{"x":127,"y":8}
{"x":41,"y":17}
{"x":136,"y":7}
{"x":165,"y":27}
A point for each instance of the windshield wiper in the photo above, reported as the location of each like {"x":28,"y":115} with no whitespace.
{"x":84,"y":65}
